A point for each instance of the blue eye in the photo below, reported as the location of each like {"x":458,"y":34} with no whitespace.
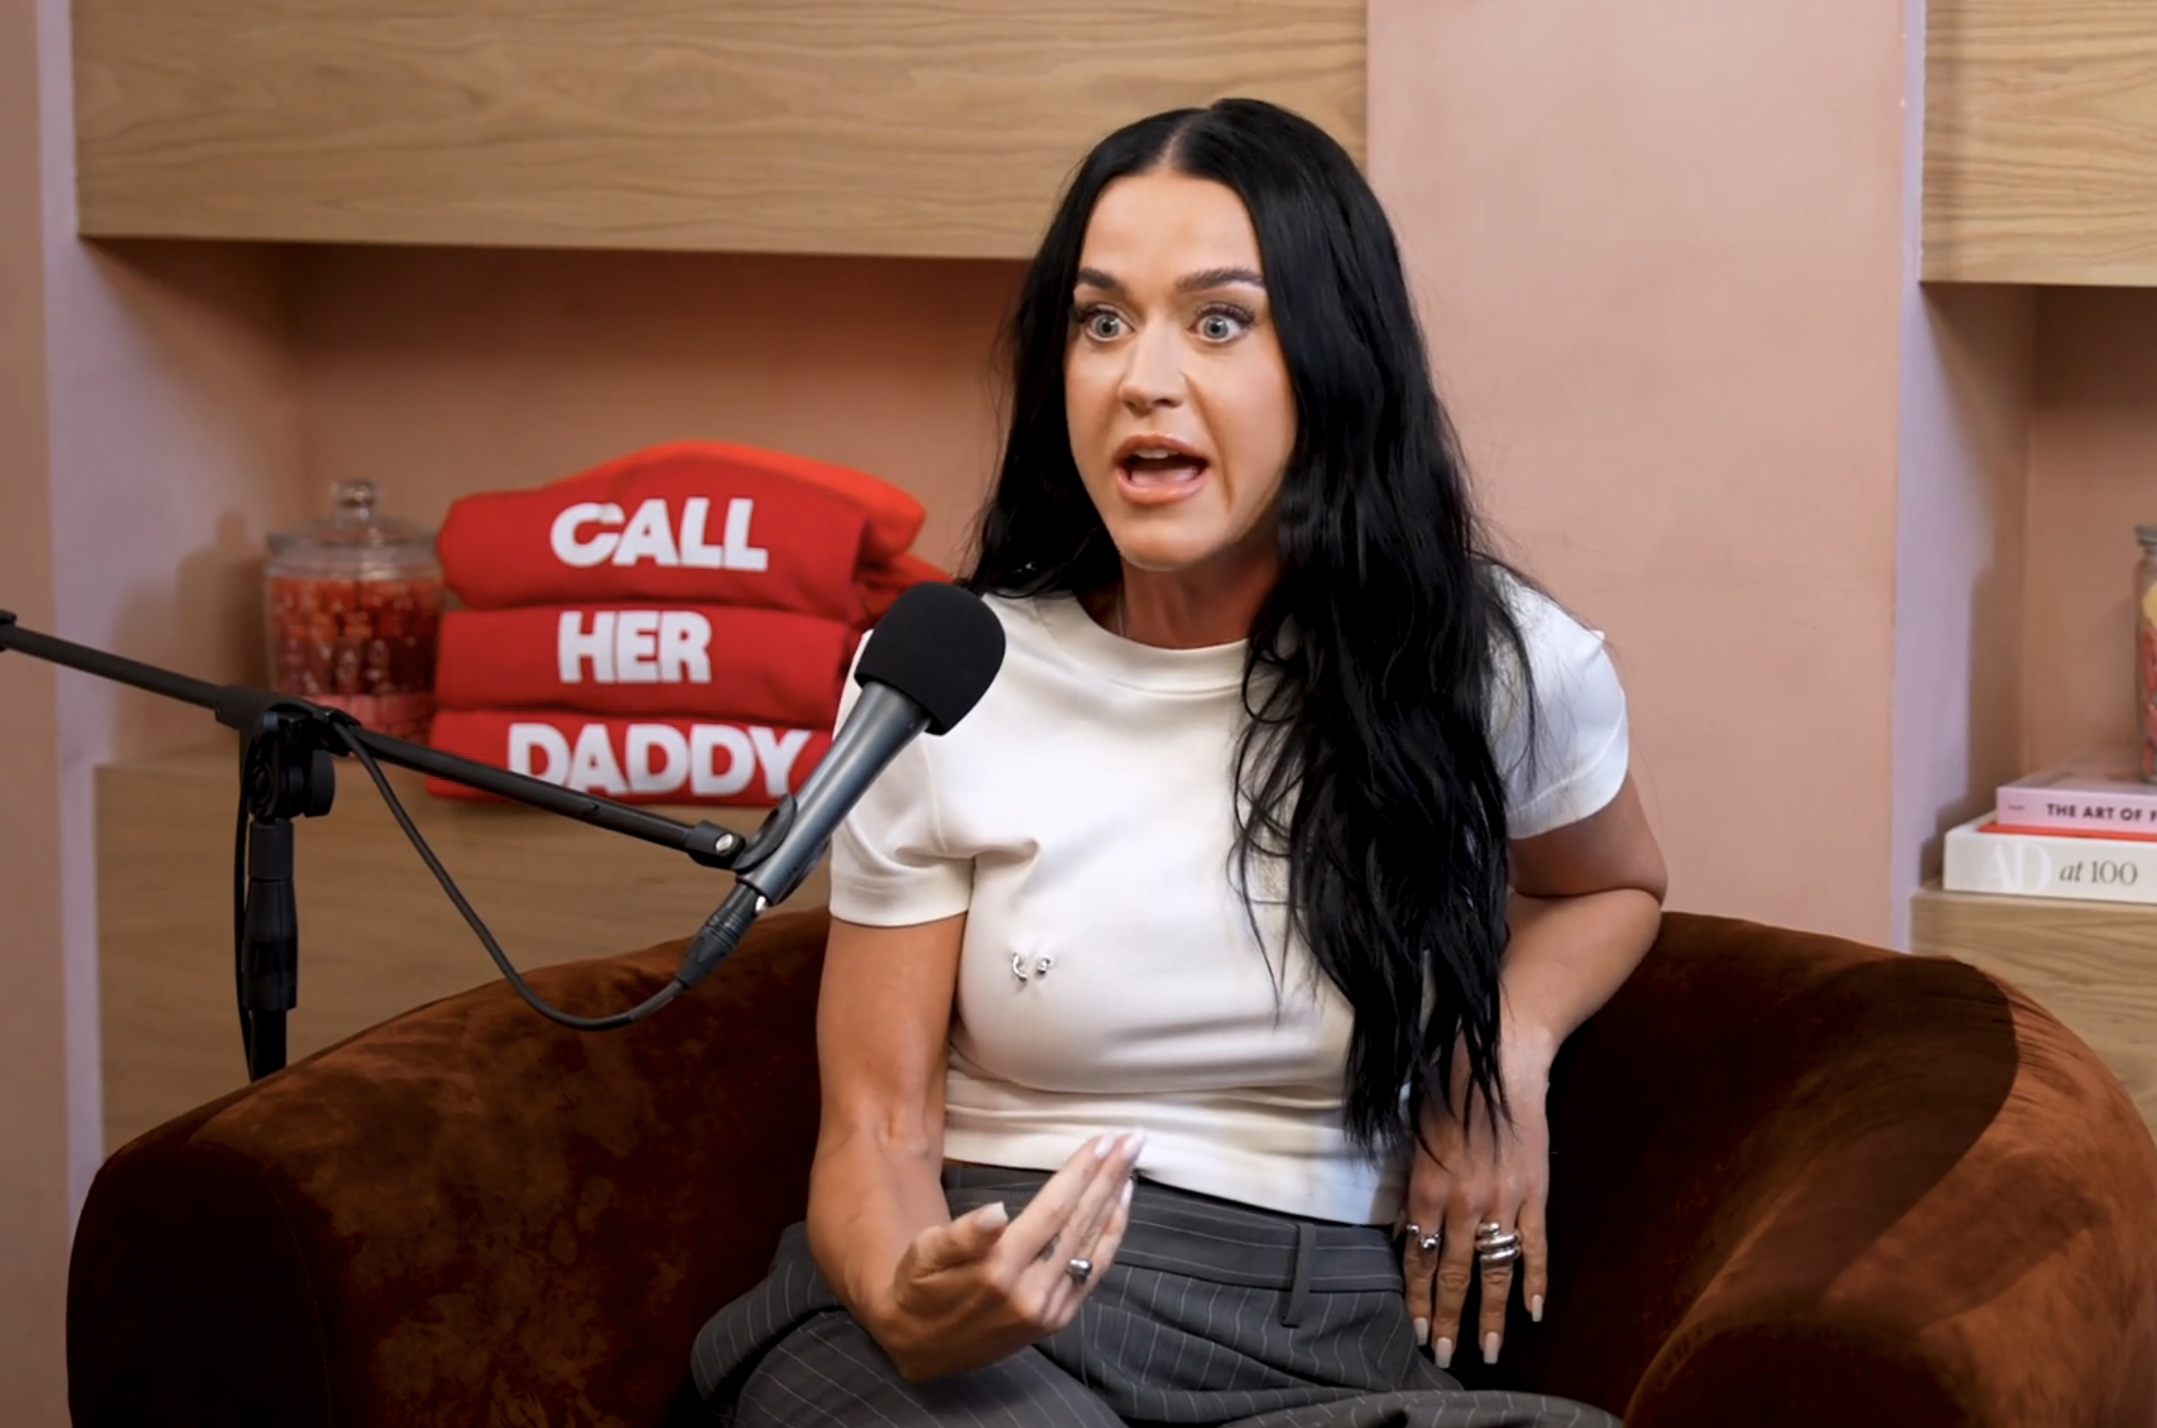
{"x":1101,"y":324}
{"x":1222,"y":324}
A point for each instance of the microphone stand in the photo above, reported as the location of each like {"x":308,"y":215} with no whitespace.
{"x":287,"y":771}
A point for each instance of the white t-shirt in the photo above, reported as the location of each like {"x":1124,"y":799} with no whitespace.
{"x":1081,"y":816}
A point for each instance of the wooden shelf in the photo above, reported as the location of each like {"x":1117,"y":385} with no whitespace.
{"x":928,"y":128}
{"x":2041,"y":142}
{"x":377,"y":934}
{"x":2091,"y":964}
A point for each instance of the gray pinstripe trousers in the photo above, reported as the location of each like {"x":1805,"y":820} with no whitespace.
{"x":1212,"y":1313}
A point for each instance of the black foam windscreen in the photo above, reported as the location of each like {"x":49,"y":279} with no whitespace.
{"x":939,"y":646}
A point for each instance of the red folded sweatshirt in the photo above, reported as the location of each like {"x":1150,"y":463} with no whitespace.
{"x":881,"y":585}
{"x":633,"y":760}
{"x":698,"y":522}
{"x":699,"y":661}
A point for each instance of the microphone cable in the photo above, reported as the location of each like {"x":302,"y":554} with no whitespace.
{"x":674,"y":987}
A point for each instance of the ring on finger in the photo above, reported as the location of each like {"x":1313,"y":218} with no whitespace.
{"x":1079,"y":1268}
{"x":1420,"y":1240}
{"x":1496,"y":1245}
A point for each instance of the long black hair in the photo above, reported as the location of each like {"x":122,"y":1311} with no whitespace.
{"x":1367,"y":760}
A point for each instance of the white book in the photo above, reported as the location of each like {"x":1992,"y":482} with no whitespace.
{"x":1981,"y":859}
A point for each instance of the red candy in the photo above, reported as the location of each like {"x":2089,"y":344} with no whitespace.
{"x":364,"y":646}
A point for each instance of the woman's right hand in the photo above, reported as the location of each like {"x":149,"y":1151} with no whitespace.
{"x":984,"y":1286}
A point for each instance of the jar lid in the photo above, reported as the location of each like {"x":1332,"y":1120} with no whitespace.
{"x":356,"y":531}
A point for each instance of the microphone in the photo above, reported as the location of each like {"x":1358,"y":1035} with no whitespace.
{"x":926,"y":665}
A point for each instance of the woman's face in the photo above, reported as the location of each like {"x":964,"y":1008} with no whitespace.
{"x":1179,"y":404}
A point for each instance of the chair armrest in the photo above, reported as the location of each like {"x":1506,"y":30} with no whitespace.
{"x":466,"y":1214}
{"x":1799,"y":1180}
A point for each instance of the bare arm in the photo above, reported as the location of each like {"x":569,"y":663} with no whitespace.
{"x":940,"y":1295}
{"x":883,"y":1022}
{"x":1587,"y":903}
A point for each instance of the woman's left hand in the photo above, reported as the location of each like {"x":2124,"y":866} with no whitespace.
{"x":1466,"y":1178}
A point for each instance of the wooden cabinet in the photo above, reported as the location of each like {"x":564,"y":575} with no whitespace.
{"x":2041,"y":142}
{"x":2091,"y":964}
{"x":377,"y":934}
{"x":903,"y":127}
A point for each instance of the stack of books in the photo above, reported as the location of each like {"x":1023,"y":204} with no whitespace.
{"x":2085,"y":828}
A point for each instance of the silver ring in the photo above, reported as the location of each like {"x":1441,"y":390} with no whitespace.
{"x":1080,"y":1269}
{"x":1496,"y":1245}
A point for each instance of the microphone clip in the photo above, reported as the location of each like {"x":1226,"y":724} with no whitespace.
{"x":767,"y":838}
{"x":286,"y":772}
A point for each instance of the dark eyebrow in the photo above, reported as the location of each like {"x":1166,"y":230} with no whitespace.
{"x":1197,"y":282}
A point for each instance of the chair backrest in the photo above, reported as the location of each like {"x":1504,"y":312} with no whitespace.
{"x":1785,"y":1164}
{"x":465,"y":1215}
{"x":1794,"y":1180}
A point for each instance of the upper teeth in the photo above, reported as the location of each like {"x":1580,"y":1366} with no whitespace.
{"x":1156,"y":451}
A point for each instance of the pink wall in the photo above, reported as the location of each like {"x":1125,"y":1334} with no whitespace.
{"x":2093,"y":478}
{"x":33,"y":1052}
{"x":1962,"y":565}
{"x":172,"y":441}
{"x":1659,"y":247}
{"x":436,"y":373}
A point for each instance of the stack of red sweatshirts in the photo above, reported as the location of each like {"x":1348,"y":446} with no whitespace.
{"x":674,"y":626}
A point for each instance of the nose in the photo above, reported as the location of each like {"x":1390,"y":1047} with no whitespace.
{"x":1153,"y":371}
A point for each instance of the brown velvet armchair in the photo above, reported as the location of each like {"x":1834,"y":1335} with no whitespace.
{"x":1795,"y":1181}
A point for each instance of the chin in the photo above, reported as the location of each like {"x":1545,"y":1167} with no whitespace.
{"x":1149,"y":552}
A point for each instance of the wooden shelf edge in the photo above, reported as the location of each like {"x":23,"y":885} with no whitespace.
{"x":2045,"y":908}
{"x":1950,"y":268}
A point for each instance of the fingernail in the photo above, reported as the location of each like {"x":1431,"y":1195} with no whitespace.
{"x":1490,"y":1348}
{"x":1135,"y":1140}
{"x":1423,"y":1332}
{"x":1103,"y":1144}
{"x":1127,"y":1188}
{"x":1535,"y":1309}
{"x":995,"y":1216}
{"x":1443,"y":1352}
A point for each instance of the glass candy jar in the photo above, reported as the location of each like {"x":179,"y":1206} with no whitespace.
{"x":354,"y":602}
{"x":2146,"y":651}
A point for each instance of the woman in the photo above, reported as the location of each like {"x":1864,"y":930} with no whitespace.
{"x":1189,"y":1008}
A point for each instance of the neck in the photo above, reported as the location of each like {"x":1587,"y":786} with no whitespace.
{"x":1192,"y":609}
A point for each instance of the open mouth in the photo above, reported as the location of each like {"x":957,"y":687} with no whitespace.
{"x":1164,"y":469}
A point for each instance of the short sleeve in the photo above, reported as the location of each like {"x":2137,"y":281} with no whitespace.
{"x":1581,"y":746}
{"x":889,"y":863}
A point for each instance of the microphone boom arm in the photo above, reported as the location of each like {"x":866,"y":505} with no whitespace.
{"x":286,"y":772}
{"x":242,"y":707}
